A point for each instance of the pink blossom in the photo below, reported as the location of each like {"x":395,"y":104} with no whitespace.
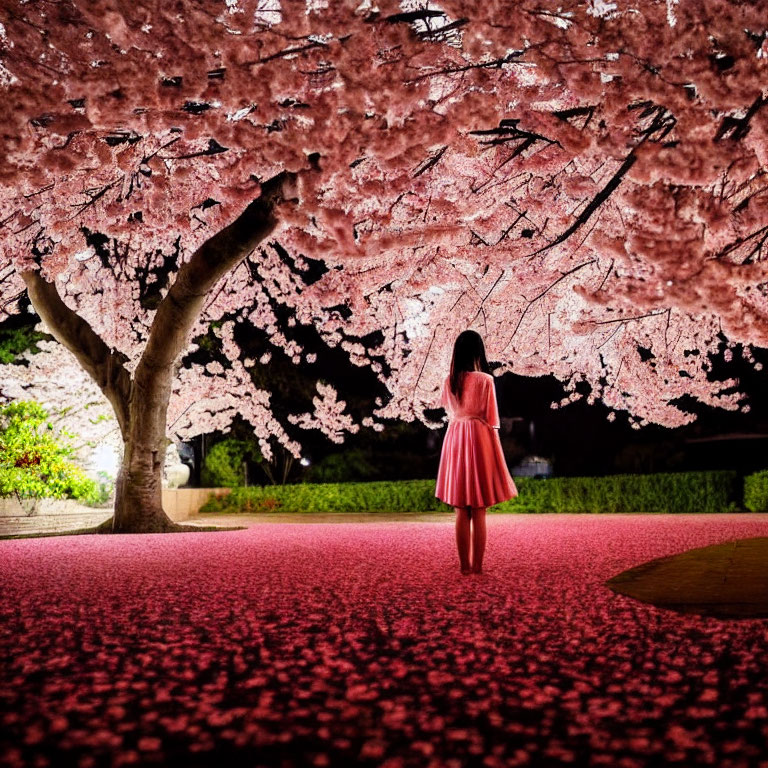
{"x":328,"y":415}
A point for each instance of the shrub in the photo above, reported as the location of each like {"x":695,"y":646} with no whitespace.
{"x":352,"y":465}
{"x":223,"y":467}
{"x":756,"y":491}
{"x":677,"y":492}
{"x":250,"y":504}
{"x":670,"y":493}
{"x":16,"y":341}
{"x":402,"y":496}
{"x":103,"y":493}
{"x":34,"y":459}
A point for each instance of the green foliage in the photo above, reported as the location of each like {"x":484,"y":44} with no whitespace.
{"x":223,"y":467}
{"x":104,"y":488}
{"x":342,"y":467}
{"x":670,"y":493}
{"x":14,"y":341}
{"x":756,"y":491}
{"x":34,"y":459}
{"x":254,"y":503}
{"x":402,"y":496}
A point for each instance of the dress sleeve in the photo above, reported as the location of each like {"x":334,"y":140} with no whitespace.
{"x":491,"y":408}
{"x":444,"y":402}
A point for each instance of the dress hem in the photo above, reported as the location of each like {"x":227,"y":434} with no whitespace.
{"x":477,"y":506}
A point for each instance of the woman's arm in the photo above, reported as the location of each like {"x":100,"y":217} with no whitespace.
{"x":444,"y":401}
{"x":491,"y":407}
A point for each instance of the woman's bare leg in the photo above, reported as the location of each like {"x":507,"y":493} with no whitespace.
{"x":462,"y":537}
{"x":478,"y":539}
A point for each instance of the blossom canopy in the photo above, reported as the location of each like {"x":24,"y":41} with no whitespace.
{"x":582,"y":182}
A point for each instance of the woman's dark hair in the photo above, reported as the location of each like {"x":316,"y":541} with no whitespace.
{"x":468,"y":355}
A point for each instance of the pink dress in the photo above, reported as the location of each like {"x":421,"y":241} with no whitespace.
{"x":473,"y":472}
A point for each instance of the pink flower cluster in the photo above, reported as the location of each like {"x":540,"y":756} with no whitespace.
{"x":331,"y":644}
{"x":328,"y":415}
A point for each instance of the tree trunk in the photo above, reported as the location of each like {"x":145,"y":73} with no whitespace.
{"x":138,"y":495}
{"x":139,"y":487}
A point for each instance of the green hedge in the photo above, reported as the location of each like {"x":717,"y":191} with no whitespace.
{"x":678,"y":492}
{"x":402,"y":496}
{"x":668,"y":493}
{"x":756,"y":491}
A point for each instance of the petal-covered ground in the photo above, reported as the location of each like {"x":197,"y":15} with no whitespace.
{"x":361,"y":643}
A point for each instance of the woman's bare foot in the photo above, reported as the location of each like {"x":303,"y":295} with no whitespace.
{"x":477,"y":570}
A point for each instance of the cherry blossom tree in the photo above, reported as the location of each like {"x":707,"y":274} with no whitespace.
{"x":583,"y":182}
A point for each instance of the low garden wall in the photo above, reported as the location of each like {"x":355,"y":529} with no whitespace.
{"x":678,"y":492}
{"x":11,"y":507}
{"x":181,"y":503}
{"x":178,"y":503}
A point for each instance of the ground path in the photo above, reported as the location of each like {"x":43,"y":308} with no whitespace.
{"x":321,"y":644}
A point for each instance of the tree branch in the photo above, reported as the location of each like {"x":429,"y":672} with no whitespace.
{"x":209,"y":263}
{"x":736,"y":128}
{"x":495,"y":64}
{"x":760,"y":236}
{"x":594,"y":204}
{"x":104,"y":365}
{"x":542,"y":294}
{"x":430,"y":162}
{"x":627,"y":319}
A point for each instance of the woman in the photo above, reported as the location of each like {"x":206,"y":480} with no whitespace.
{"x":473,"y":474}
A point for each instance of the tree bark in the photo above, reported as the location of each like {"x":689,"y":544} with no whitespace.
{"x":141,"y":402}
